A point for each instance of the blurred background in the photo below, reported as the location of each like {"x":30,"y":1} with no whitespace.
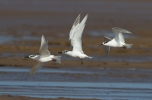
{"x":22,"y":22}
{"x":120,"y":75}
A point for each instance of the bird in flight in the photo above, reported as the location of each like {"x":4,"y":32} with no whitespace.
{"x":43,"y":58}
{"x":75,"y":38}
{"x":117,"y":41}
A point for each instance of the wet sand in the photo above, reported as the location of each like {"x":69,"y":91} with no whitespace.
{"x":9,"y":97}
{"x":21,"y":31}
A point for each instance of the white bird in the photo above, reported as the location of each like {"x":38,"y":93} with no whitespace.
{"x":75,"y":37}
{"x":44,"y":57}
{"x":117,"y":41}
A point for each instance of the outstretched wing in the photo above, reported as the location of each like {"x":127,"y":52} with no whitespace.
{"x":75,"y":24}
{"x":44,"y":48}
{"x":36,"y":67}
{"x":76,"y":34}
{"x":118,"y":33}
{"x":107,"y":39}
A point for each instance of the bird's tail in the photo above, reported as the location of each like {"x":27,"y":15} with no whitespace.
{"x":90,"y":57}
{"x":128,"y":46}
{"x":57,"y":59}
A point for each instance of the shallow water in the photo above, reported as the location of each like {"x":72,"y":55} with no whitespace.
{"x":136,"y":91}
{"x":77,"y":83}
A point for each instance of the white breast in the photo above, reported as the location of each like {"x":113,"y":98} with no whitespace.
{"x":46,"y":59}
{"x":113,"y":43}
{"x":74,"y":54}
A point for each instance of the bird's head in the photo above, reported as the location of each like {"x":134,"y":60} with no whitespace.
{"x":103,"y":43}
{"x":63,"y":52}
{"x":31,"y":56}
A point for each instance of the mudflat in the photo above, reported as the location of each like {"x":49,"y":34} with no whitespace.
{"x":9,"y":97}
{"x":22,"y":24}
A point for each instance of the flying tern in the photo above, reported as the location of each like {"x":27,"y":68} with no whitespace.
{"x":43,"y":58}
{"x":75,"y":38}
{"x":117,"y":41}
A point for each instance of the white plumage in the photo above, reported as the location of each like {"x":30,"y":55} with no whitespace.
{"x":44,"y":57}
{"x":117,"y":41}
{"x":76,"y":34}
{"x":75,"y":38}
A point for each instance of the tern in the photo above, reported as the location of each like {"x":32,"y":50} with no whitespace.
{"x":43,"y":58}
{"x":117,"y":41}
{"x":75,"y":38}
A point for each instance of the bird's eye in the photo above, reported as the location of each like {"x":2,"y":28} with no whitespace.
{"x":65,"y":51}
{"x":106,"y":42}
{"x":31,"y":55}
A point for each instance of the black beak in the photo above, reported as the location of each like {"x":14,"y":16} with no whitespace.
{"x":59,"y":52}
{"x":26,"y":57}
{"x":99,"y":44}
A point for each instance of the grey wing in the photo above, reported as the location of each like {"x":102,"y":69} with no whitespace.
{"x":44,"y":48}
{"x":107,"y":38}
{"x":107,"y":49}
{"x":36,"y":67}
{"x":75,"y":24}
{"x":118,"y":33}
{"x":76,"y":34}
